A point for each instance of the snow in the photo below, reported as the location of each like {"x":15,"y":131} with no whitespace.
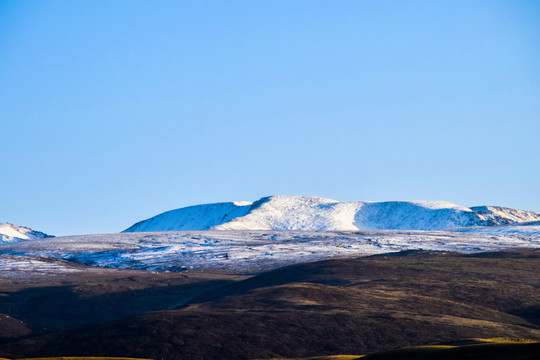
{"x":10,"y":233}
{"x":498,"y":214}
{"x":199,"y":217}
{"x":251,"y":251}
{"x":272,"y":232}
{"x":315,"y":213}
{"x":11,"y":265}
{"x":532,"y":230}
{"x":242,"y":203}
{"x":294,"y":213}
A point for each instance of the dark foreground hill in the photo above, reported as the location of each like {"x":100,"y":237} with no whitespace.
{"x":346,"y":306}
{"x":68,"y":295}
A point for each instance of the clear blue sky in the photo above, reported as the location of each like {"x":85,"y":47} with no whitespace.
{"x":114,"y":111}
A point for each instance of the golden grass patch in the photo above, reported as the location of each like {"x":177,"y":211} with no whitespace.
{"x":504,"y":341}
{"x":431,"y":347}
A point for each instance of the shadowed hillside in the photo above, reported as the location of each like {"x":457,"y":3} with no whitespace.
{"x":347,"y":306}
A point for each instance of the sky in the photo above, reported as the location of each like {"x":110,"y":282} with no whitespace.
{"x":114,"y":111}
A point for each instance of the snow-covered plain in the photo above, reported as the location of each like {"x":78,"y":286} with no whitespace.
{"x":251,"y":251}
{"x":315,"y":213}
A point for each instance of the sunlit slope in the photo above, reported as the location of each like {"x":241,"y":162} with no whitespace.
{"x":497,"y":350}
{"x":10,"y":233}
{"x":480,"y":349}
{"x":315,"y":213}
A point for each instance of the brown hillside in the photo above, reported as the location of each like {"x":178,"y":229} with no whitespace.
{"x":348,"y":306}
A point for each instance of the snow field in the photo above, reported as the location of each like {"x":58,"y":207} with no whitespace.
{"x":250,"y":251}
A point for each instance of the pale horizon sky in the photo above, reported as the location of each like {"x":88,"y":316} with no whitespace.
{"x":113,"y":112}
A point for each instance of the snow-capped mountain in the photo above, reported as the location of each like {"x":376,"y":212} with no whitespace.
{"x":10,"y":233}
{"x":314,"y":213}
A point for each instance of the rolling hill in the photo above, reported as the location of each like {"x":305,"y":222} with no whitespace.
{"x":346,"y":306}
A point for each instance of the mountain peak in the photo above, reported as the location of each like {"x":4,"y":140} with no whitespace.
{"x":10,"y":232}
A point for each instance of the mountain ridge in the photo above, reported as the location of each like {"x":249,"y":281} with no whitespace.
{"x":291,"y":212}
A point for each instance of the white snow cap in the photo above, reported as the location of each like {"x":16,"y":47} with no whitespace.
{"x":10,"y":232}
{"x":286,"y":212}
